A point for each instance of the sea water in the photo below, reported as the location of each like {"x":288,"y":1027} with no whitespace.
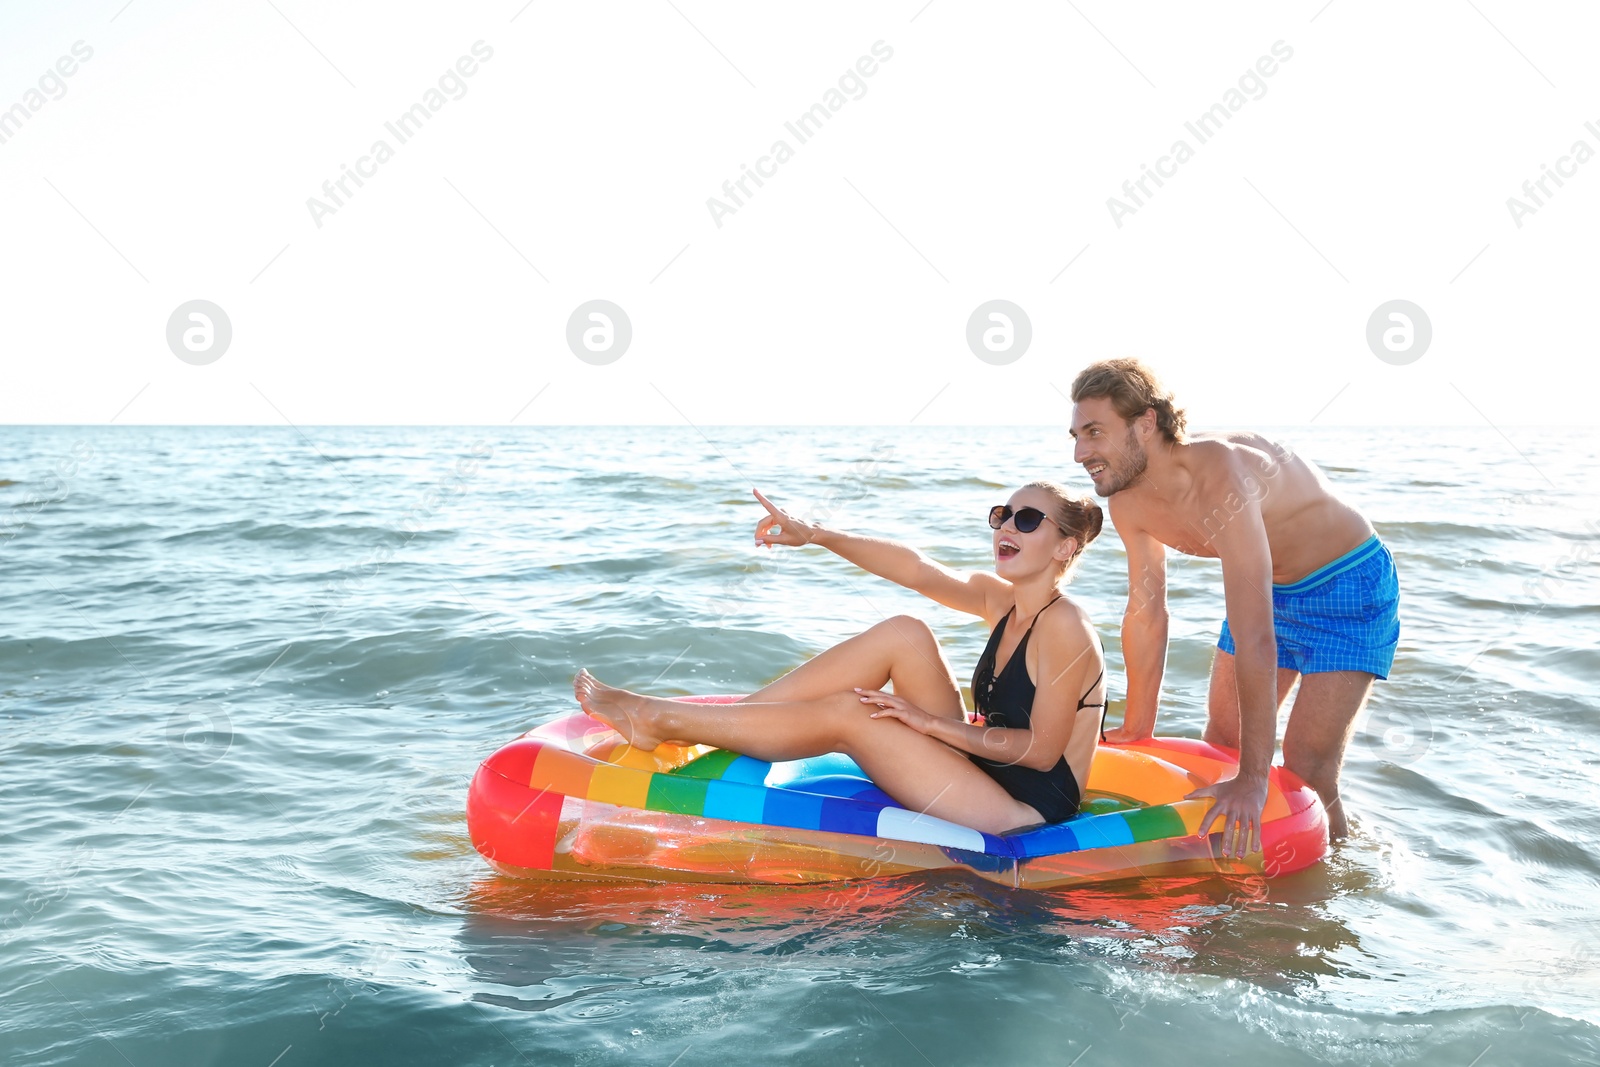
{"x":247,"y":673}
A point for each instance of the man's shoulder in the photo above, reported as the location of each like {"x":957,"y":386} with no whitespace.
{"x":1231,"y":454}
{"x":1216,"y":446}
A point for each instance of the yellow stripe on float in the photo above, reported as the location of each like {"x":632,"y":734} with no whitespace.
{"x":623,"y":786}
{"x":1193,"y":812}
{"x":661,"y":759}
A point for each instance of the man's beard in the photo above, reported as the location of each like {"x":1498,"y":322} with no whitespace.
{"x":1129,"y":467}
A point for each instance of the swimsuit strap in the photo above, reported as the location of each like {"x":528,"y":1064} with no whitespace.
{"x":1035,"y":619}
{"x":1083,"y":700}
{"x":987,"y":660}
{"x":989,"y":652}
{"x":1024,"y":642}
{"x":1103,"y":705}
{"x":1097,"y":680}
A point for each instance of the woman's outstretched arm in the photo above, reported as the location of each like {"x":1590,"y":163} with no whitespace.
{"x":974,"y":592}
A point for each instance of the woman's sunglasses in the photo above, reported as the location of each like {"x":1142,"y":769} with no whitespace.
{"x":1027,"y":519}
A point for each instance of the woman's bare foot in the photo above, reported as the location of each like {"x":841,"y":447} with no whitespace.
{"x":630,"y":714}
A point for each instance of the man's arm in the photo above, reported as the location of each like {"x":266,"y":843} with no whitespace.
{"x":1241,"y":543}
{"x":1144,"y":629}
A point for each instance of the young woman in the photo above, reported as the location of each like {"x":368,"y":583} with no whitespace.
{"x":1039,"y":687}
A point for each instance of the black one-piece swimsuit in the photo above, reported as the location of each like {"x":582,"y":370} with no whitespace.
{"x":1006,"y":700}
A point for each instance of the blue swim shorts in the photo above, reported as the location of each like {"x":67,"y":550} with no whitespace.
{"x":1341,"y":617}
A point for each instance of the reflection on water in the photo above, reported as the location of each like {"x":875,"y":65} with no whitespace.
{"x":521,"y":934}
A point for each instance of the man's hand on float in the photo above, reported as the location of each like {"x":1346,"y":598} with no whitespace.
{"x":1122,"y":735}
{"x":1240,"y":801}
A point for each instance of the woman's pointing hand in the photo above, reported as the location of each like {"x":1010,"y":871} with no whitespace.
{"x":778,"y":527}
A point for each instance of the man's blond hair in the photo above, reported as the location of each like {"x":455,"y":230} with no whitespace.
{"x":1133,"y":389}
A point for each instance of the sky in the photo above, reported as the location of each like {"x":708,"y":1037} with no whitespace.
{"x":1352,"y":155}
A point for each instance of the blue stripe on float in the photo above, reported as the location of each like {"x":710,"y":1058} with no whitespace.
{"x":997,"y":846}
{"x":842,"y":816}
{"x":747,"y":770}
{"x":799,"y":810}
{"x":735,"y":801}
{"x":980,"y":861}
{"x":1049,"y":841}
{"x":1102,"y":831}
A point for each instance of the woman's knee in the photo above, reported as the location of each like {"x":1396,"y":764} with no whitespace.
{"x":909,"y":629}
{"x":853,"y":729}
{"x":846,"y":714}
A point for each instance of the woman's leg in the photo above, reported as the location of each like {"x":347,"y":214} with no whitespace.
{"x":919,"y":772}
{"x":901,"y":650}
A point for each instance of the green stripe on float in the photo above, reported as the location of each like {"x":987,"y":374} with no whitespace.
{"x":711,"y":765}
{"x":686,"y":796}
{"x":1153,"y":824}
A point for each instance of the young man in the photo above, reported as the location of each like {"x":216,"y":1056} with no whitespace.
{"x":1310,"y":591}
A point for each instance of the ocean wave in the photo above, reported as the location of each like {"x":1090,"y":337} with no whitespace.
{"x":1433,"y":536}
{"x":301,"y":535}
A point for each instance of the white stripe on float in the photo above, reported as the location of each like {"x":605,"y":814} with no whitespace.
{"x":898,"y":824}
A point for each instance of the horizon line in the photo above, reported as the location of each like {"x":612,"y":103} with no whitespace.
{"x":768,"y":425}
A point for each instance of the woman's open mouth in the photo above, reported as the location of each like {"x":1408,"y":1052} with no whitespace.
{"x":1007,"y":548}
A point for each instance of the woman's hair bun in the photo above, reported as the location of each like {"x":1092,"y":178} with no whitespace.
{"x":1078,"y":516}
